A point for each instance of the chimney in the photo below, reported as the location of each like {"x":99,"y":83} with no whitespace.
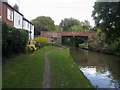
{"x":4,"y":1}
{"x":16,"y":7}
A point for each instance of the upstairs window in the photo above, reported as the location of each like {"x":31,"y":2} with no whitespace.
{"x":9,"y":14}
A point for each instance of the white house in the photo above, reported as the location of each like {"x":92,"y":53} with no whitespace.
{"x":18,"y":20}
{"x":32,"y":29}
{"x":27,"y":25}
{"x":14,"y":18}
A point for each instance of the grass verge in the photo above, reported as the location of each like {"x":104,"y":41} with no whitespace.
{"x":64,"y":72}
{"x":25,"y":71}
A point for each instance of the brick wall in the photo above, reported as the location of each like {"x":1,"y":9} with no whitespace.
{"x":4,"y":14}
{"x":48,"y":34}
{"x":56,"y":36}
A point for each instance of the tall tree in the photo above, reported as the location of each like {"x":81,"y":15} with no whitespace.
{"x":86,"y":25}
{"x":107,"y":18}
{"x":43,"y":23}
{"x":67,"y":23}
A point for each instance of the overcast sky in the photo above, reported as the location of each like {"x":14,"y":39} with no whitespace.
{"x":56,"y":9}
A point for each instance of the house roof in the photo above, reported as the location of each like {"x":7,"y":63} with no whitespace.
{"x":12,"y":8}
{"x":17,"y":12}
{"x":27,"y":20}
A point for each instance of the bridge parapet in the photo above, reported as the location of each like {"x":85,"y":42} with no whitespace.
{"x":55,"y":36}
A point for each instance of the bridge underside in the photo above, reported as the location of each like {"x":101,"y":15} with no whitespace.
{"x":74,"y":40}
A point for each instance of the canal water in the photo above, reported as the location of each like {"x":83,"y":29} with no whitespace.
{"x":102,"y":70}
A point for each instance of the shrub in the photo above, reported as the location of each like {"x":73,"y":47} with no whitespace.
{"x":37,"y":45}
{"x":30,"y":48}
{"x":33,"y":47}
{"x":13,"y":40}
{"x":115,"y":47}
{"x":41,"y":40}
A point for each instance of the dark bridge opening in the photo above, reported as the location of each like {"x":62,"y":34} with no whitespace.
{"x":74,"y":40}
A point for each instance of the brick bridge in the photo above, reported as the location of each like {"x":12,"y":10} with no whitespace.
{"x":56,"y":36}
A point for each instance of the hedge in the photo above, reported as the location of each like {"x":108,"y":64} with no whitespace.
{"x":13,"y":40}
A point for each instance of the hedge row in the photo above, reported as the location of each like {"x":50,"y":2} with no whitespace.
{"x":13,"y":40}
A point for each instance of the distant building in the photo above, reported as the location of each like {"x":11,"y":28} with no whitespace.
{"x":13,"y":17}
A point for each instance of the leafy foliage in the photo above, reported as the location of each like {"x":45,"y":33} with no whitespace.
{"x":76,"y":28}
{"x":67,"y":23}
{"x":72,"y":41}
{"x":57,"y":28}
{"x":37,"y":45}
{"x":74,"y":25}
{"x":115,"y":47}
{"x":86,"y":25}
{"x":13,"y":40}
{"x":41,"y":40}
{"x":43,"y":23}
{"x":107,"y":18}
{"x":31,"y":48}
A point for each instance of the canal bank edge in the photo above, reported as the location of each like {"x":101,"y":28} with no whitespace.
{"x":64,"y":72}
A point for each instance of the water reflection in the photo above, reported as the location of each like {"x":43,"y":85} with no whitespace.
{"x":101,"y":69}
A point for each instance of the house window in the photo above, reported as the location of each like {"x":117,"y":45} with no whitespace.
{"x":28,"y":25}
{"x":31,"y":27}
{"x":9,"y":14}
{"x":23,"y":24}
{"x":19,"y":22}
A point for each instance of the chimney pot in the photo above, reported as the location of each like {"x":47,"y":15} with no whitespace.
{"x":16,"y":7}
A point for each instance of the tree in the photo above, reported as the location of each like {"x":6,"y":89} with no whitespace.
{"x":74,"y":24}
{"x":67,"y":23}
{"x":107,"y":18}
{"x":76,"y":28}
{"x":86,"y":25}
{"x":43,"y":23}
{"x":57,"y":28}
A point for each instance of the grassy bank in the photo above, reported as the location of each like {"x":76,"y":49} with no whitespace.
{"x":64,"y":72}
{"x":25,"y":71}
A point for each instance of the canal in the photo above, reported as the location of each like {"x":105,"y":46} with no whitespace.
{"x":101,"y":69}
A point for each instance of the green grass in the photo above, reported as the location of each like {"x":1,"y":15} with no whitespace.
{"x":83,"y":44}
{"x":64,"y":72}
{"x":25,"y":71}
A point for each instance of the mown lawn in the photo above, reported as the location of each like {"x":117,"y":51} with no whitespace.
{"x":25,"y":71}
{"x":64,"y":72}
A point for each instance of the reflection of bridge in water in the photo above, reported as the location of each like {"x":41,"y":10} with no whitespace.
{"x":56,"y":36}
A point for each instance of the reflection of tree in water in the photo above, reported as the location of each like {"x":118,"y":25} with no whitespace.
{"x":102,"y":62}
{"x":79,"y":57}
{"x":101,"y":70}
